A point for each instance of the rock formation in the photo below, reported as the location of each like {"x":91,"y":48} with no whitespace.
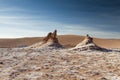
{"x":51,"y":37}
{"x":50,"y":40}
{"x":88,"y":44}
{"x":86,"y":41}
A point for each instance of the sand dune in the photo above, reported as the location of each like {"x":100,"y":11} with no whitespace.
{"x":65,"y":40}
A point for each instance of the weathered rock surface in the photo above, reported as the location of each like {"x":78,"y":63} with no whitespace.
{"x":50,"y":40}
{"x":88,"y":44}
{"x":87,"y":40}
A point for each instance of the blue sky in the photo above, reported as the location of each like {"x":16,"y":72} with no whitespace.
{"x":34,"y":18}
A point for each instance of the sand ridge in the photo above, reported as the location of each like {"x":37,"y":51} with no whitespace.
{"x":67,"y":41}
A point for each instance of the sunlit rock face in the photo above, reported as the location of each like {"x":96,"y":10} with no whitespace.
{"x":50,"y":40}
{"x":87,"y":40}
{"x":88,"y":44}
{"x":51,"y":37}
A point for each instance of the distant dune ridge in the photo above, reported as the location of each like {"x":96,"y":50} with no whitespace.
{"x":67,"y":41}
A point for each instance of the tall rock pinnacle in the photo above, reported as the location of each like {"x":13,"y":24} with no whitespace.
{"x":50,"y":40}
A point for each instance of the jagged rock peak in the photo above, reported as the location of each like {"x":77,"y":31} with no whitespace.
{"x":86,"y":41}
{"x":51,"y":37}
{"x":50,"y":40}
{"x":88,"y":44}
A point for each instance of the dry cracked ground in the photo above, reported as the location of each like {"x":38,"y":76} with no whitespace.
{"x":58,"y":64}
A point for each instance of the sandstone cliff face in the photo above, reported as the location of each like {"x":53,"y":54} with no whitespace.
{"x":50,"y":40}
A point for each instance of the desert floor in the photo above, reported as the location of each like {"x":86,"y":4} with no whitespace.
{"x":58,"y":64}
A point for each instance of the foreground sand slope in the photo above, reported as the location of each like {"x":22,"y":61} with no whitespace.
{"x":65,"y":40}
{"x":58,"y":64}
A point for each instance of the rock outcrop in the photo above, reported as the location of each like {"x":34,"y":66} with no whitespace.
{"x":88,"y":44}
{"x":51,"y":37}
{"x":87,"y":40}
{"x":50,"y":40}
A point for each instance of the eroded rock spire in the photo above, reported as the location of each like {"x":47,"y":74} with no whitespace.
{"x":88,"y":44}
{"x":51,"y":37}
{"x":86,"y":41}
{"x":50,"y":40}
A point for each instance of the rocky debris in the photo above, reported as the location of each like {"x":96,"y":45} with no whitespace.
{"x":50,"y":40}
{"x":88,"y":44}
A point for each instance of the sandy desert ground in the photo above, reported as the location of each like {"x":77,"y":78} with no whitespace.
{"x":49,"y":60}
{"x":67,"y":41}
{"x":58,"y":64}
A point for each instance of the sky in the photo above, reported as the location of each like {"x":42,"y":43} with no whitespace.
{"x":35,"y":18}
